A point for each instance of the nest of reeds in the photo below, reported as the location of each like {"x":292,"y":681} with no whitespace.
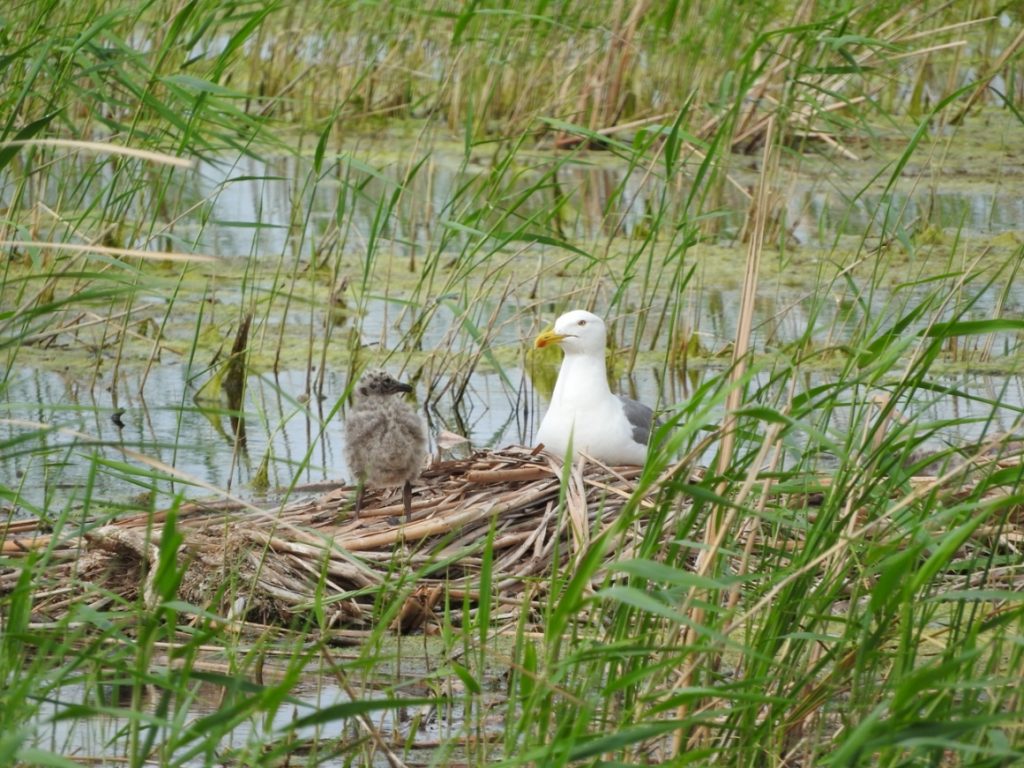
{"x":501,"y":521}
{"x":272,"y":565}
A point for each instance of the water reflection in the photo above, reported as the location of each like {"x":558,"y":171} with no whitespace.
{"x":596,"y":202}
{"x":301,"y":442}
{"x":84,"y":720}
{"x":274,"y":207}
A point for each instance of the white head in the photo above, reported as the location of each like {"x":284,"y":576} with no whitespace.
{"x":576,"y":332}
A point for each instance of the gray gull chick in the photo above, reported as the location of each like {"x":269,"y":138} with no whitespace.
{"x":607,"y":427}
{"x":385,"y":439}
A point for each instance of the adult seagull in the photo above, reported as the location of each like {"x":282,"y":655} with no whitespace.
{"x":583,"y":412}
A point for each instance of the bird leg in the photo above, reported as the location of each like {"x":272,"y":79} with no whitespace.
{"x":360,"y":493}
{"x":407,"y":500}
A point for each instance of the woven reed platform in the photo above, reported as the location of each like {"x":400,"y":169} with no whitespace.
{"x":267,"y":564}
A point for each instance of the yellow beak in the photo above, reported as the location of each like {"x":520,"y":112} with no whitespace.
{"x":548,"y":337}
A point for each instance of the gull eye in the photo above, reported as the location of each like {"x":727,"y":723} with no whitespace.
{"x":582,"y":322}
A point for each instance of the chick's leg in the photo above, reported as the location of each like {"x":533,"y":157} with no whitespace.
{"x":407,"y":500}
{"x":360,"y":493}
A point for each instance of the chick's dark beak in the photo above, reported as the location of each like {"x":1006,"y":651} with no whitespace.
{"x":398,"y":386}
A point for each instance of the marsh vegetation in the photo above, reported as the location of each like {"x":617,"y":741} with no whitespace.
{"x":804,"y":223}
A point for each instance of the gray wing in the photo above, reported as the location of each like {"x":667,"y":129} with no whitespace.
{"x":640,"y":417}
